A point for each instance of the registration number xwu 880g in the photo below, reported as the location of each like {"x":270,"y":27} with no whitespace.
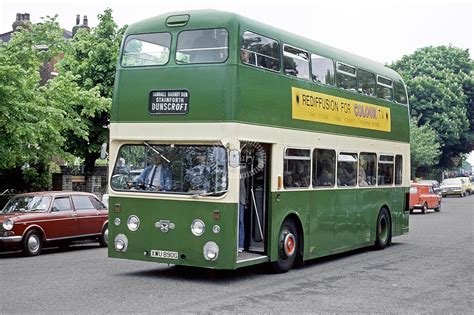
{"x":163,"y":254}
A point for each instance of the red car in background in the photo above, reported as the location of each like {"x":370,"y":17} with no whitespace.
{"x":33,"y":220}
{"x":423,"y":196}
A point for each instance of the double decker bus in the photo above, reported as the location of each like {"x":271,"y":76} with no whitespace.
{"x":234,"y":143}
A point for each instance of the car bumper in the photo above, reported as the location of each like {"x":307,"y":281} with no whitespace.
{"x":447,"y":193}
{"x":10,"y":239}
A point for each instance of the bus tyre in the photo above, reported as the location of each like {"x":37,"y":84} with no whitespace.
{"x":287,"y":247}
{"x":32,"y":243}
{"x":104,"y":237}
{"x":383,"y":229}
{"x":424,"y":208}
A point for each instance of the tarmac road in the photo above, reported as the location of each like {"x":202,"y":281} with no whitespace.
{"x":430,"y":270}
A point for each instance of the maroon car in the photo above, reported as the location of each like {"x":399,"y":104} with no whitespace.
{"x":33,"y":220}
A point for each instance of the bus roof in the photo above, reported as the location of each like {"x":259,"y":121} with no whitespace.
{"x":214,"y":18}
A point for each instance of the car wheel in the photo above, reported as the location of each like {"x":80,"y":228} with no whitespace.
{"x":383,"y":229}
{"x":438,"y":208}
{"x":104,"y":237}
{"x":32,"y":243}
{"x":424,"y":208}
{"x":288,"y":244}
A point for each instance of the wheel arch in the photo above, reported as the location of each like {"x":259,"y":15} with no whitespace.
{"x":296,"y":218}
{"x":38,"y":229}
{"x":106,"y":223}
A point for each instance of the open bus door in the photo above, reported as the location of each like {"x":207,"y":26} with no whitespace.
{"x":255,"y":170}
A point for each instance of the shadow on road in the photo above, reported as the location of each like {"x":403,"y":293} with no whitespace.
{"x":50,"y":250}
{"x":245,"y":273}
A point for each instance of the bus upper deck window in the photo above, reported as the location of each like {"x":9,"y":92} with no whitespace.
{"x":260,"y":51}
{"x":202,"y":46}
{"x":400,"y":93}
{"x":384,"y":88}
{"x":366,"y":82}
{"x":146,"y":50}
{"x":346,"y":76}
{"x":296,"y":62}
{"x":322,"y":69}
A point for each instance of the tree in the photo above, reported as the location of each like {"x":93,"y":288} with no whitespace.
{"x":439,"y":83}
{"x":34,"y":118}
{"x":90,"y":63}
{"x":425,"y":150}
{"x":28,"y":123}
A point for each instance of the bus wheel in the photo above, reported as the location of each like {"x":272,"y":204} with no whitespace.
{"x":32,"y":244}
{"x":383,"y":229}
{"x":424,"y":208}
{"x":287,"y":247}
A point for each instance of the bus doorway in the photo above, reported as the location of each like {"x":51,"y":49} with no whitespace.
{"x":255,"y":193}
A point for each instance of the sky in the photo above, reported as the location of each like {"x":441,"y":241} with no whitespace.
{"x":381,"y":30}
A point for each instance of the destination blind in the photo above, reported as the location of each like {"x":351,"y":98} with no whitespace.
{"x":168,"y":102}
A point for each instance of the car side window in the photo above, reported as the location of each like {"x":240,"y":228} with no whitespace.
{"x":97,"y":204}
{"x":82,"y":203}
{"x":61,"y":204}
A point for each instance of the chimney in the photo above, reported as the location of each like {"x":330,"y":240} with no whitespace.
{"x":79,"y":26}
{"x":20,"y":19}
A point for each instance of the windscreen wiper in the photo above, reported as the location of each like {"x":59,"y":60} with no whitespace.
{"x":209,"y":193}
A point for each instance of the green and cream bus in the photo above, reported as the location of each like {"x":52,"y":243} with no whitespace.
{"x":217,"y":119}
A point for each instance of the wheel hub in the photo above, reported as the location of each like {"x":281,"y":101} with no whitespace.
{"x":33,"y":244}
{"x":289,"y":244}
{"x":106,"y":236}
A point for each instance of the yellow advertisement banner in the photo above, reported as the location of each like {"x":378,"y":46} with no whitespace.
{"x":314,"y":106}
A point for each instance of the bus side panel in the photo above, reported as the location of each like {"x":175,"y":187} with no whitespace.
{"x":321,"y":233}
{"x":367,"y":208}
{"x":399,"y":216}
{"x":344,"y":218}
{"x":259,"y":97}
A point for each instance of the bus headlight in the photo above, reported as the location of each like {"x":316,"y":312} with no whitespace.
{"x":198,"y":227}
{"x":211,"y":251}
{"x":8,"y":225}
{"x":117,"y":221}
{"x":121,"y":243}
{"x":133,"y":223}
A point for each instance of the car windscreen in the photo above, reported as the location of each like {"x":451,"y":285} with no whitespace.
{"x":27,"y":204}
{"x":180,"y":169}
{"x":452,"y":182}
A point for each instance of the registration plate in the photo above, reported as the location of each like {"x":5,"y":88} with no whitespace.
{"x":163,"y":254}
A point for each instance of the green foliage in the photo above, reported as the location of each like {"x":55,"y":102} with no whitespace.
{"x":89,"y":67}
{"x":39,"y":122}
{"x":440,"y":88}
{"x":424,"y":147}
{"x":37,"y":178}
{"x":28,"y":122}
